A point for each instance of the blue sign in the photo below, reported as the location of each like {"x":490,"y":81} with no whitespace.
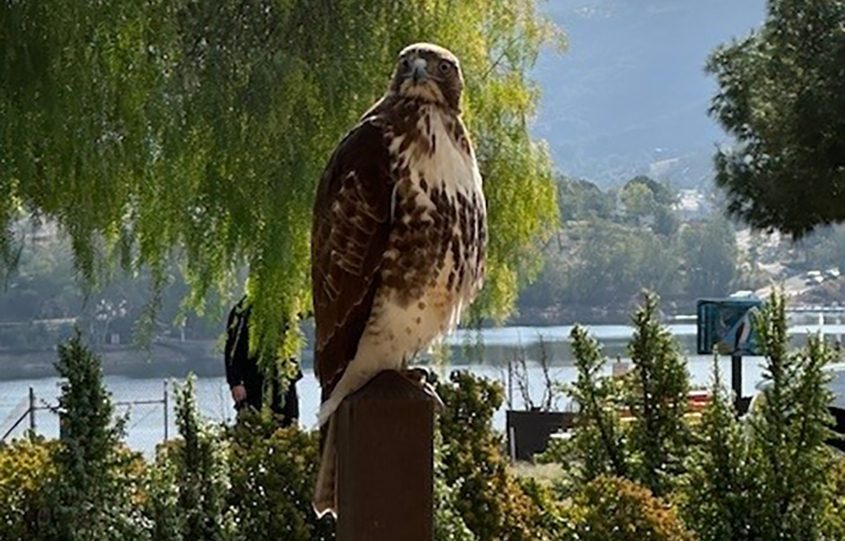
{"x":726,"y":326}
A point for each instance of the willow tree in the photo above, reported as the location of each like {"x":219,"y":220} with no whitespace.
{"x":197,"y":130}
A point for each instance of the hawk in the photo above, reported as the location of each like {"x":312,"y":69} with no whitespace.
{"x":398,"y":238}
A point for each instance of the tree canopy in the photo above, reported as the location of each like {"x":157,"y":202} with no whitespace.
{"x":198,"y":129}
{"x":782,"y":96}
{"x":615,"y":242}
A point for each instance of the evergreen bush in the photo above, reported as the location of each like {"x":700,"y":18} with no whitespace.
{"x":772,"y":475}
{"x":97,"y":479}
{"x":198,"y":464}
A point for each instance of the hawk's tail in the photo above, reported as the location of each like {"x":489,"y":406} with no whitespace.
{"x":325,"y":498}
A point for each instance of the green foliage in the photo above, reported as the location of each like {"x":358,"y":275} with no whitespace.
{"x":789,"y":430}
{"x":658,"y":193}
{"x":710,"y":256}
{"x":649,"y":447}
{"x":583,"y":200}
{"x":26,"y":468}
{"x":649,"y":202}
{"x":781,"y":96}
{"x":43,"y":286}
{"x":91,"y":498}
{"x":88,"y":434}
{"x":448,"y":523}
{"x":837,"y":509}
{"x":656,"y":397}
{"x":597,"y":446}
{"x":200,"y":469}
{"x":171,"y":128}
{"x":612,"y":508}
{"x":273,"y":472}
{"x":610,"y":263}
{"x":639,"y":200}
{"x":715,"y":500}
{"x":83,"y":486}
{"x":489,"y":498}
{"x":614,"y":243}
{"x":770,"y":476}
{"x":160,"y":503}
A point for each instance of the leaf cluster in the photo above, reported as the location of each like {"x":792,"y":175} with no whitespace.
{"x":781,"y":97}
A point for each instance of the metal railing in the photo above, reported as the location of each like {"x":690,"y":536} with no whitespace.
{"x":34,"y":407}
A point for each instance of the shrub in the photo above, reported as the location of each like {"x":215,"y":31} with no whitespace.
{"x":489,"y":498}
{"x":598,"y":445}
{"x":161,"y":499}
{"x":655,"y":393}
{"x":196,"y":465}
{"x":649,"y":449}
{"x":768,"y":477}
{"x":273,"y":472}
{"x":96,"y":484}
{"x":714,"y":494}
{"x":771,"y":476}
{"x":837,"y":508}
{"x":610,"y":508}
{"x":449,"y":525}
{"x":26,"y":467}
{"x":789,"y":431}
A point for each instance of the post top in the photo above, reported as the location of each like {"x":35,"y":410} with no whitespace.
{"x":389,"y":385}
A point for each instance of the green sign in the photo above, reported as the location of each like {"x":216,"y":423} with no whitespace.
{"x":726,"y":326}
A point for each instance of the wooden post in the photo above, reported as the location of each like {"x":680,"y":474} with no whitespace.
{"x":736,"y":380}
{"x":32,"y":409}
{"x":385,"y":462}
{"x":166,"y":404}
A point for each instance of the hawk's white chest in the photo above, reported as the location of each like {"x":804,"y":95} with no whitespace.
{"x":441,"y":164}
{"x":449,"y":164}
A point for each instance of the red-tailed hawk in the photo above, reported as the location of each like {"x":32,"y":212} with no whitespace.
{"x":398,"y":239}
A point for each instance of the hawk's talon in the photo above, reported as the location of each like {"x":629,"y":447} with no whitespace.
{"x":419,"y":377}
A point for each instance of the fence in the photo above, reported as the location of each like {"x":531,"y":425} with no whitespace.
{"x":27,"y":413}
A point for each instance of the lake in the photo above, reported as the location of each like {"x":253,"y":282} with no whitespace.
{"x":485,"y":352}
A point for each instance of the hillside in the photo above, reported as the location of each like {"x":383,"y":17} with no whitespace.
{"x":631,"y":96}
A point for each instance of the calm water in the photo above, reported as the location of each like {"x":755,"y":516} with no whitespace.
{"x":486,"y":353}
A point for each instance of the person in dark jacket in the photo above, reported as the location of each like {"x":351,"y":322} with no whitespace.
{"x":245,"y":378}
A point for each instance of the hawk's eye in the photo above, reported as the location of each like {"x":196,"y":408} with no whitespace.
{"x":405,"y":63}
{"x":444,"y":66}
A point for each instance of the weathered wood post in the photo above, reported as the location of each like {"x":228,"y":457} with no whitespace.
{"x":736,"y":381}
{"x":32,"y":410}
{"x":166,"y":404}
{"x":385,"y":462}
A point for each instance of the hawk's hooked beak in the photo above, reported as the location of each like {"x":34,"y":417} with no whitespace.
{"x":418,"y":71}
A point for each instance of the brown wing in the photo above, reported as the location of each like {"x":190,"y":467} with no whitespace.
{"x":349,"y":237}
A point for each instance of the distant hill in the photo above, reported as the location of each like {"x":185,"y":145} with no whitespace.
{"x":631,"y":96}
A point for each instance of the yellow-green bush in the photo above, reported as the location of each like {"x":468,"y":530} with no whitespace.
{"x":25,"y":468}
{"x":837,"y":511}
{"x":610,"y":508}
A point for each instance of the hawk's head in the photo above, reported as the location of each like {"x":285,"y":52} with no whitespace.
{"x":430,"y":73}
